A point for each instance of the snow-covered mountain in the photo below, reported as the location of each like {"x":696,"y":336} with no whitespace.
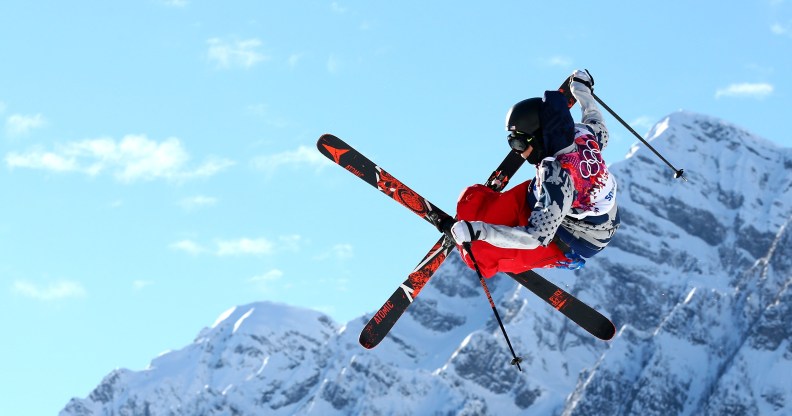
{"x":697,"y":279}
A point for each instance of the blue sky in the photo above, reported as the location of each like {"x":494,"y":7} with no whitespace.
{"x":159,"y":162}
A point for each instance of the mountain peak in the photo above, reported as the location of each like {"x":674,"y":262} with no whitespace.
{"x":267,"y":317}
{"x":717,"y":129}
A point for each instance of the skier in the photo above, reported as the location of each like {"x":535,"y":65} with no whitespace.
{"x":567,"y":213}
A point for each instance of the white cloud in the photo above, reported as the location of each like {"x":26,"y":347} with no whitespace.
{"x":333,"y":64}
{"x":338,"y":252}
{"x":781,"y":29}
{"x":176,"y":3}
{"x":556,"y":61}
{"x":133,"y":158}
{"x":643,"y":122}
{"x":265,"y":281}
{"x":41,"y":160}
{"x":18,"y":124}
{"x":337,"y":8}
{"x":209,"y":168}
{"x":343,"y":251}
{"x":52,"y":292}
{"x":745,"y":90}
{"x":236,"y":54}
{"x":269,"y":276}
{"x":303,"y":156}
{"x":294,"y":59}
{"x":139,"y":285}
{"x":290,"y":242}
{"x":245,"y":246}
{"x":242,"y":246}
{"x":198,"y":201}
{"x":188,"y":246}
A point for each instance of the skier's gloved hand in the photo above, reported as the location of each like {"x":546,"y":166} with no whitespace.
{"x":582,"y":79}
{"x":465,"y":232}
{"x":582,"y":86}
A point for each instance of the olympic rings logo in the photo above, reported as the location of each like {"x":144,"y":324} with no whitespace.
{"x":591,"y":160}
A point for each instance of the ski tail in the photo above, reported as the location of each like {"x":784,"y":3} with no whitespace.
{"x":567,"y":91}
{"x":579,"y":312}
{"x":381,"y":323}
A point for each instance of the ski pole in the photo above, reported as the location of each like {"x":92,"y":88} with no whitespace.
{"x":516,"y":360}
{"x":678,"y":173}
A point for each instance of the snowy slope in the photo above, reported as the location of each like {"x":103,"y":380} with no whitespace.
{"x":697,"y":279}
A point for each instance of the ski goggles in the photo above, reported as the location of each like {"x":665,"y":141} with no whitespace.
{"x":519,"y":141}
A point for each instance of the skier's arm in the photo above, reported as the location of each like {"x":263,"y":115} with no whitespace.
{"x":592,"y":117}
{"x":555,"y":201}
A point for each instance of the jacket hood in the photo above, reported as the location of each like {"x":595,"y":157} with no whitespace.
{"x":558,"y":127}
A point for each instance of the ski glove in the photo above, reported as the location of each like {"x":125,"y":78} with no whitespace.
{"x":582,"y":78}
{"x":465,"y":232}
{"x":581,"y":87}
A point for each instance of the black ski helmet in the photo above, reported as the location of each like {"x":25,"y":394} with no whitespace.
{"x":522,"y":121}
{"x":523,"y":117}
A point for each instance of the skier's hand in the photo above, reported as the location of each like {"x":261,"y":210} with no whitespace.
{"x":582,"y":81}
{"x":581,"y":87}
{"x":465,"y":232}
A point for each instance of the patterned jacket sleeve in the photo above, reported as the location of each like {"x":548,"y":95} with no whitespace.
{"x":592,"y":118}
{"x":556,"y":194}
{"x":597,"y":128}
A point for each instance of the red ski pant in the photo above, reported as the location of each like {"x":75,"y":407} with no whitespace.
{"x":479,"y":203}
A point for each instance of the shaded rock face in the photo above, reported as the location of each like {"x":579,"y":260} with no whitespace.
{"x":697,"y":280}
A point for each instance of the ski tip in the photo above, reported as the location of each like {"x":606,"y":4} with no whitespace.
{"x":366,"y":342}
{"x":607,"y":332}
{"x":324,"y":138}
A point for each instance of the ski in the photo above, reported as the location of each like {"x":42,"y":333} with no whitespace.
{"x":350,"y":159}
{"x":577,"y":311}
